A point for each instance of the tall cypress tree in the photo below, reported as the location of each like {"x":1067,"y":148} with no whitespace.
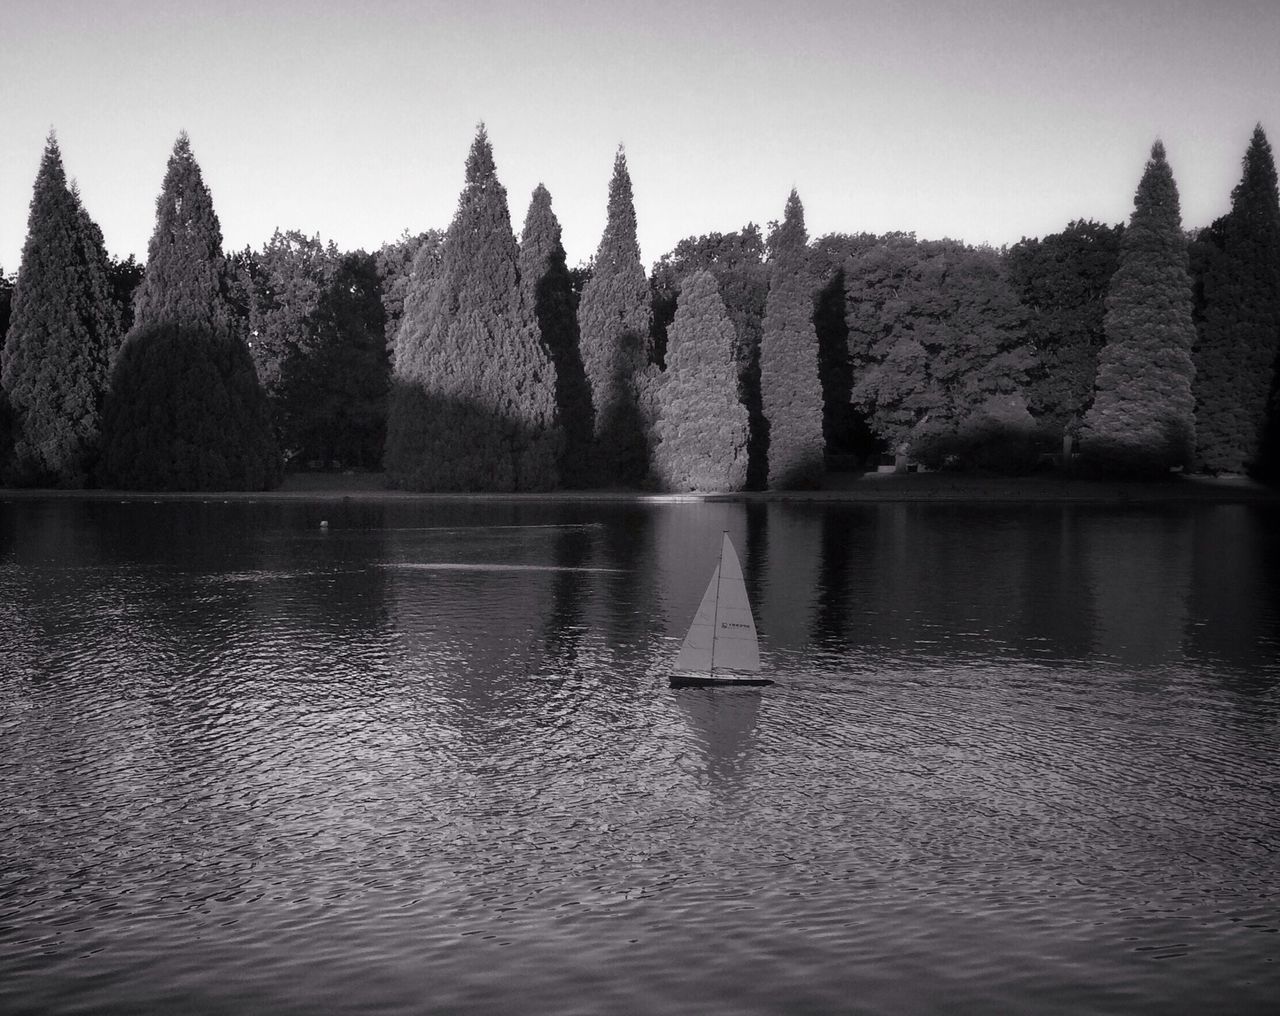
{"x":186,"y":280}
{"x":613,"y":321}
{"x":1239,"y":326}
{"x":791,"y":393}
{"x":737,"y":261}
{"x":702,"y":423}
{"x":63,"y":331}
{"x":1143,"y":415}
{"x":473,"y":401}
{"x":548,"y":289}
{"x":186,"y":410}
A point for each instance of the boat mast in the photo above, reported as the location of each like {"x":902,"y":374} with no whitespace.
{"x":715,"y":615}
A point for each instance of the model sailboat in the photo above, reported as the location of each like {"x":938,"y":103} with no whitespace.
{"x":721,"y":647}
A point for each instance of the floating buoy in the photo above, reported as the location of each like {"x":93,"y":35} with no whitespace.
{"x":324,"y":524}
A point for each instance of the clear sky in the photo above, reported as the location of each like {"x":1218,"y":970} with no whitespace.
{"x":984,"y":120}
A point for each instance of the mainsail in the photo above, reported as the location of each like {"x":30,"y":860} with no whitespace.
{"x":723,"y":633}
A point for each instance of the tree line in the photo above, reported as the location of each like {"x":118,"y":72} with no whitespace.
{"x":471,"y":359}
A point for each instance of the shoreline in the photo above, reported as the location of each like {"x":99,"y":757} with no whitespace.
{"x":840,"y":488}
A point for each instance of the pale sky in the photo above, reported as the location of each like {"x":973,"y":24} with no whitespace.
{"x":983,"y":121}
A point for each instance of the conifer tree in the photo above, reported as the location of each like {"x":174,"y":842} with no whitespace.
{"x":737,"y":261}
{"x":186,"y":280}
{"x":548,"y":289}
{"x":791,"y":393}
{"x":400,"y":265}
{"x":613,"y":322}
{"x":1239,"y":327}
{"x":473,"y":397}
{"x":63,"y":331}
{"x":186,"y":410}
{"x":701,"y":423}
{"x":1143,"y":415}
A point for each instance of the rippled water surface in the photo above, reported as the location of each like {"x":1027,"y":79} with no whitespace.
{"x":1017,"y":759}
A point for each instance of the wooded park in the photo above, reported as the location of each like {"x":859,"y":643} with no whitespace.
{"x":468,"y":359}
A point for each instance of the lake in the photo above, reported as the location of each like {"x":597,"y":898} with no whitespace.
{"x":1018,"y":758}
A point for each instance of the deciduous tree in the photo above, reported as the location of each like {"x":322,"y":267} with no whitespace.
{"x":1143,"y":415}
{"x":334,"y":380}
{"x":1062,"y":280}
{"x":937,"y":352}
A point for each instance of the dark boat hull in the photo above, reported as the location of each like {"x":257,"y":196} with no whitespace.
{"x":697,"y":681}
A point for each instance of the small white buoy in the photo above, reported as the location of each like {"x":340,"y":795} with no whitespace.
{"x":324,"y":524}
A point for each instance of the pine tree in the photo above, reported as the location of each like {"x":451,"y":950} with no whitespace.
{"x":473,"y":397}
{"x":186,"y":410}
{"x":1239,"y":327}
{"x":63,"y":332}
{"x":613,"y":322}
{"x":702,"y":424}
{"x":791,"y":393}
{"x":1143,"y":415}
{"x":548,"y":289}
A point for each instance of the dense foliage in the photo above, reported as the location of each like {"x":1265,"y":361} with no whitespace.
{"x":63,"y":331}
{"x":400,"y":265}
{"x":186,"y":279}
{"x":331,"y":400}
{"x":280,"y":288}
{"x":736,"y":260}
{"x":473,"y":400}
{"x":1142,"y":418}
{"x":1062,"y":281}
{"x":791,"y":395}
{"x":845,"y":432}
{"x":1238,"y":326}
{"x":938,"y":352}
{"x":186,"y":412}
{"x":186,"y":409}
{"x":548,"y":289}
{"x":701,"y":424}
{"x":463,"y":360}
{"x":613,"y":325}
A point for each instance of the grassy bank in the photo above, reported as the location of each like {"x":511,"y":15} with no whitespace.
{"x":839,"y":487}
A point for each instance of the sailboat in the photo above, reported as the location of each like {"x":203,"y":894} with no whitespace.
{"x":721,"y":648}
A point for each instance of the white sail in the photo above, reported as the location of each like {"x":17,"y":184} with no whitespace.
{"x":723,"y":633}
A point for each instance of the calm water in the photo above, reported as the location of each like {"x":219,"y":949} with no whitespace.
{"x":1018,"y":759}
